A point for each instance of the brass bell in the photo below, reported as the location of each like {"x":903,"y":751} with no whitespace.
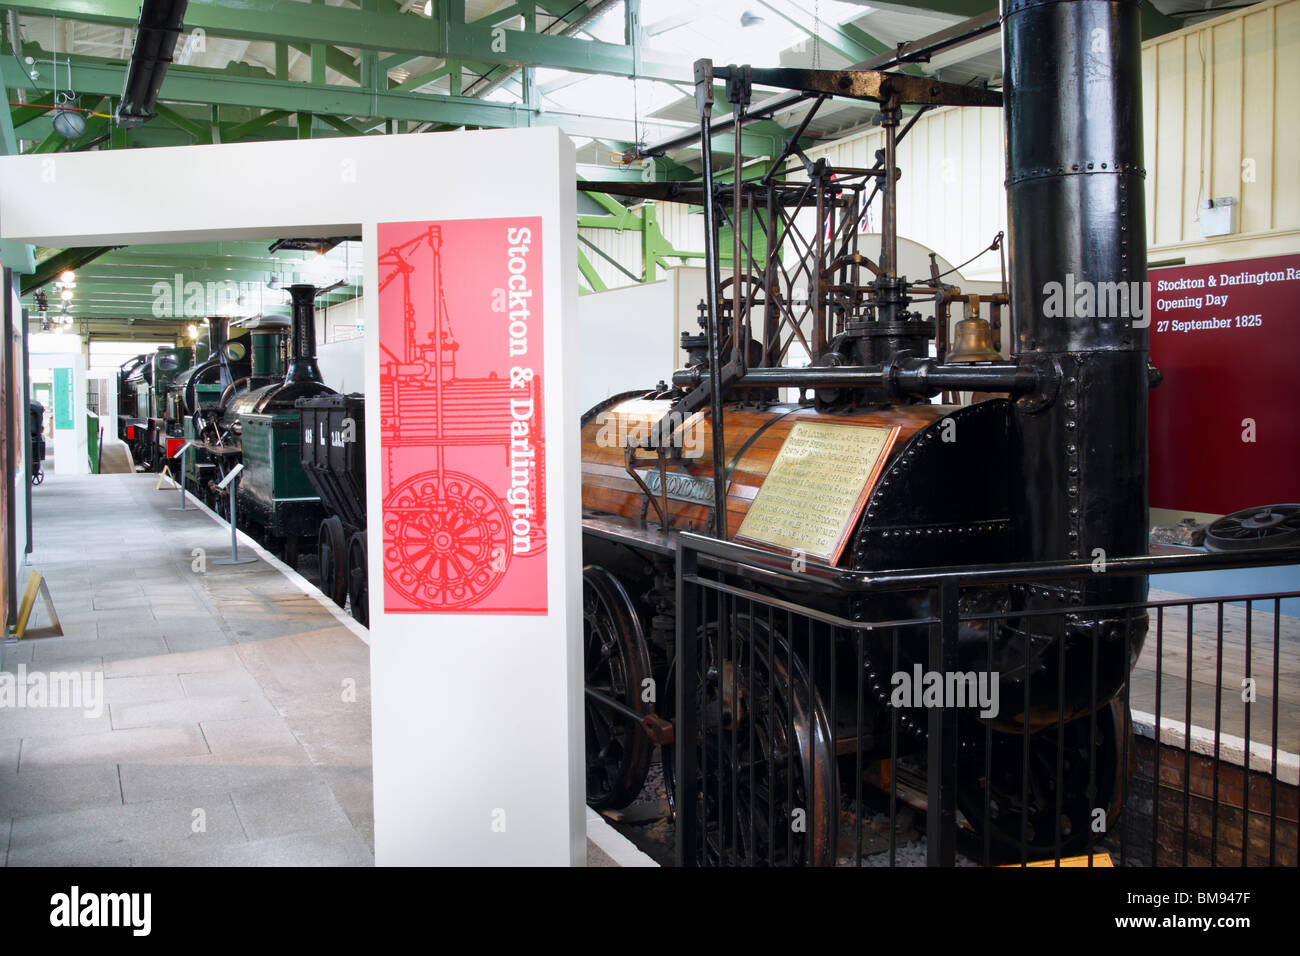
{"x":972,"y":342}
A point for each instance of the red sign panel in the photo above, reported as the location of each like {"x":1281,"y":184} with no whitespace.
{"x":1224,"y":432}
{"x":461,"y":426}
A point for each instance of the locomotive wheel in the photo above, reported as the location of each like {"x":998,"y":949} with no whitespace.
{"x":617,"y":662}
{"x":332,"y":557}
{"x":1012,"y":818}
{"x":1273,"y":526}
{"x":771,"y":738}
{"x":358,"y":579}
{"x":446,"y":540}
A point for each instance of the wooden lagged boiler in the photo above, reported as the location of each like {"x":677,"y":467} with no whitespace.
{"x":1049,"y":466}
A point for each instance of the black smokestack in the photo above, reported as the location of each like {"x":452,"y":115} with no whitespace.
{"x":1076,"y":215}
{"x":218,"y":339}
{"x":302,"y":344}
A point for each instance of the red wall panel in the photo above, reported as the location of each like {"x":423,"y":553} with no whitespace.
{"x":1227,"y":339}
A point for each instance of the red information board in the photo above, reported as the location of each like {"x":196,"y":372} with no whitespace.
{"x":1224,"y":431}
{"x":461,"y":425}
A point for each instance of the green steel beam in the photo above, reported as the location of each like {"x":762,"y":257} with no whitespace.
{"x":19,"y":256}
{"x":589,"y":273}
{"x":207,"y":87}
{"x":343,"y":126}
{"x":49,"y":268}
{"x":828,"y":34}
{"x":608,"y":258}
{"x":254,"y":125}
{"x":188,"y":85}
{"x":25,"y":114}
{"x":418,"y":80}
{"x":335,"y":59}
{"x":441,"y":36}
{"x":201,"y":133}
{"x":1154,"y":23}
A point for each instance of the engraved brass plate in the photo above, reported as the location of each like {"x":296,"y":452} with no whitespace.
{"x":817,"y":487}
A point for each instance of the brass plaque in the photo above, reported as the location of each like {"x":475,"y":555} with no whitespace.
{"x":817,"y":487}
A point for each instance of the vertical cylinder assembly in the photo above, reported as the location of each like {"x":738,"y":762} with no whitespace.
{"x":1077,"y":253}
{"x":218,"y":338}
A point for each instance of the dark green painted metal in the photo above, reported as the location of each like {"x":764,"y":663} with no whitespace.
{"x":293,"y":22}
{"x":274,"y":491}
{"x":266,"y":354}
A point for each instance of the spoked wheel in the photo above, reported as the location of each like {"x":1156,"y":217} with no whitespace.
{"x":617,"y":664}
{"x":445,"y":540}
{"x":766,"y":788}
{"x":1273,"y":526}
{"x":38,"y":476}
{"x":358,"y":578}
{"x":1013,"y":818}
{"x":332,"y":558}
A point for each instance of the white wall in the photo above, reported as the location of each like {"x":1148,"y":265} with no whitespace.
{"x":1219,"y":108}
{"x":337,"y":323}
{"x":626,"y":337}
{"x":18,"y":481}
{"x":343,"y":364}
{"x":69,"y":447}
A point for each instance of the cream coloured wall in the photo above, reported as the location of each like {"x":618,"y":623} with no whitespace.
{"x":1236,"y":76}
{"x":1221,"y":109}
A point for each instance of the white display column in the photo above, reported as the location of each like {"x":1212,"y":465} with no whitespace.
{"x":474,"y":510}
{"x":68,"y":373}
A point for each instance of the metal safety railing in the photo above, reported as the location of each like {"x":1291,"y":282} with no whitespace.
{"x":821,"y":714}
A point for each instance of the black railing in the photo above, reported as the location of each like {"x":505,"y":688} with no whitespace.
{"x":791,"y":749}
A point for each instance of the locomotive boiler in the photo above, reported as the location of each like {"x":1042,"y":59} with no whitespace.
{"x":848,"y":461}
{"x":260,"y":427}
{"x":197,"y":392}
{"x":142,"y":387}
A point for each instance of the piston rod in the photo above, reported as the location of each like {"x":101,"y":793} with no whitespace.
{"x":906,"y":377}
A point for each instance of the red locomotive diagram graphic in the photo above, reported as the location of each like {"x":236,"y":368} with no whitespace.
{"x":461,"y":424}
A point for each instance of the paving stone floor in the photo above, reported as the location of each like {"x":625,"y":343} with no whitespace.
{"x":235,"y":727}
{"x":1172,"y":626}
{"x":236,"y":719}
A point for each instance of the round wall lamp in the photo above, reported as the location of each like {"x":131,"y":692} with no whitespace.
{"x":68,"y":124}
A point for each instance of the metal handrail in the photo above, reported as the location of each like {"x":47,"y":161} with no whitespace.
{"x":750,"y":558}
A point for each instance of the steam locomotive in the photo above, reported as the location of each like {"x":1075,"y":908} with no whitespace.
{"x":239,"y":405}
{"x":144,"y":423}
{"x":1049,"y":467}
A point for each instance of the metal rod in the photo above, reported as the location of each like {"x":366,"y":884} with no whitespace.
{"x":973,"y":575}
{"x":925,"y":377}
{"x":918,"y":51}
{"x":185,"y":450}
{"x":941,"y":776}
{"x":889,"y":217}
{"x":738,"y":162}
{"x":704,"y":103}
{"x":686,"y":729}
{"x":234,"y":542}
